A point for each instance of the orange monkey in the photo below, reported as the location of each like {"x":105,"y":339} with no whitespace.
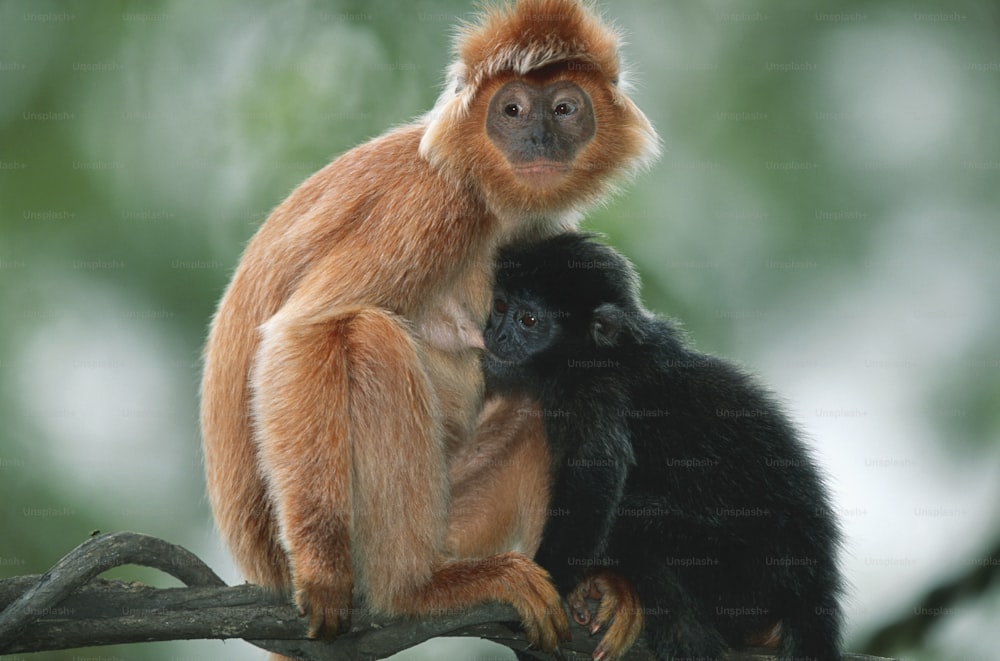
{"x":342,"y":368}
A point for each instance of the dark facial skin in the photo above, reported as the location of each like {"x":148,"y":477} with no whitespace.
{"x":517,"y":330}
{"x":540,"y":128}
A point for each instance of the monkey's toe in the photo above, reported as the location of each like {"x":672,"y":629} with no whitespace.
{"x":552,"y":624}
{"x":537,"y":601}
{"x":327,"y":608}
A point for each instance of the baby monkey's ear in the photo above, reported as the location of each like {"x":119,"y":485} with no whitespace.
{"x":607,"y":324}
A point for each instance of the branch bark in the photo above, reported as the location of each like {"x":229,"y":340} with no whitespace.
{"x":69,"y":607}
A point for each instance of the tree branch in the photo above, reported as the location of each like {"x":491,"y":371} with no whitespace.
{"x":911,"y":628}
{"x":68,"y":607}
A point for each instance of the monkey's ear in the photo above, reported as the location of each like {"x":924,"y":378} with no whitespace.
{"x":606,"y":324}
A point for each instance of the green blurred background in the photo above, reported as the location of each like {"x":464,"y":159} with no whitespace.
{"x":825,"y":212}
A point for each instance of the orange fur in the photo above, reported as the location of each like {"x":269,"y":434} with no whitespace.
{"x":619,"y":610}
{"x":342,"y":384}
{"x":534,"y":34}
{"x":500,"y":482}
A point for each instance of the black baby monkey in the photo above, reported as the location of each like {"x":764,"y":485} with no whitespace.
{"x":672,"y":467}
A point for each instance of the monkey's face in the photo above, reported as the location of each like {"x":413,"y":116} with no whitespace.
{"x":519,"y":333}
{"x":540,"y":128}
{"x":551,"y":140}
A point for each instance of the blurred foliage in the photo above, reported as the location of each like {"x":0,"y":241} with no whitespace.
{"x":825,"y":210}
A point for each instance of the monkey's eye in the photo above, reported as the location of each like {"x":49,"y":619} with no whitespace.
{"x":527,"y":319}
{"x":500,"y":306}
{"x":512,"y":109}
{"x":564,"y":108}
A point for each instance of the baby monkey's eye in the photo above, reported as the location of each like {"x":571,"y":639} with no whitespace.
{"x":500,"y":305}
{"x":527,"y":319}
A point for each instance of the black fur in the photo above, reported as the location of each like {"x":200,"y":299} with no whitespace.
{"x":671,"y":466}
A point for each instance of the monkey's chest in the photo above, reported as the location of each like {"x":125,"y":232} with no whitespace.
{"x":450,"y":333}
{"x":451,"y":326}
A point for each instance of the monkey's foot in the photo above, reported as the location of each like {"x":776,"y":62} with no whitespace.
{"x":328,"y":607}
{"x":509,"y":577}
{"x":619,"y":610}
{"x":531,"y":592}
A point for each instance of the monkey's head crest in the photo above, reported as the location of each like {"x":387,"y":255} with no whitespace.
{"x":526,"y":36}
{"x":533,"y":34}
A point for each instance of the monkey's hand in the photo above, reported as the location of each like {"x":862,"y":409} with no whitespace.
{"x":619,"y":610}
{"x":328,"y":605}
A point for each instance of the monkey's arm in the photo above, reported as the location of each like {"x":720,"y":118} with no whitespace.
{"x":589,"y":487}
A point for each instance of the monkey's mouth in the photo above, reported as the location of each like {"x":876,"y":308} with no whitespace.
{"x":541,"y":174}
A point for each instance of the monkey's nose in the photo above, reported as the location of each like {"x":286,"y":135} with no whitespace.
{"x":540,"y":135}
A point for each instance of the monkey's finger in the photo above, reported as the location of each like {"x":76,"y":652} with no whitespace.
{"x":577,"y":600}
{"x":624,"y":624}
{"x":609,"y":606}
{"x":620,"y":610}
{"x":620,"y":636}
{"x":626,"y":621}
